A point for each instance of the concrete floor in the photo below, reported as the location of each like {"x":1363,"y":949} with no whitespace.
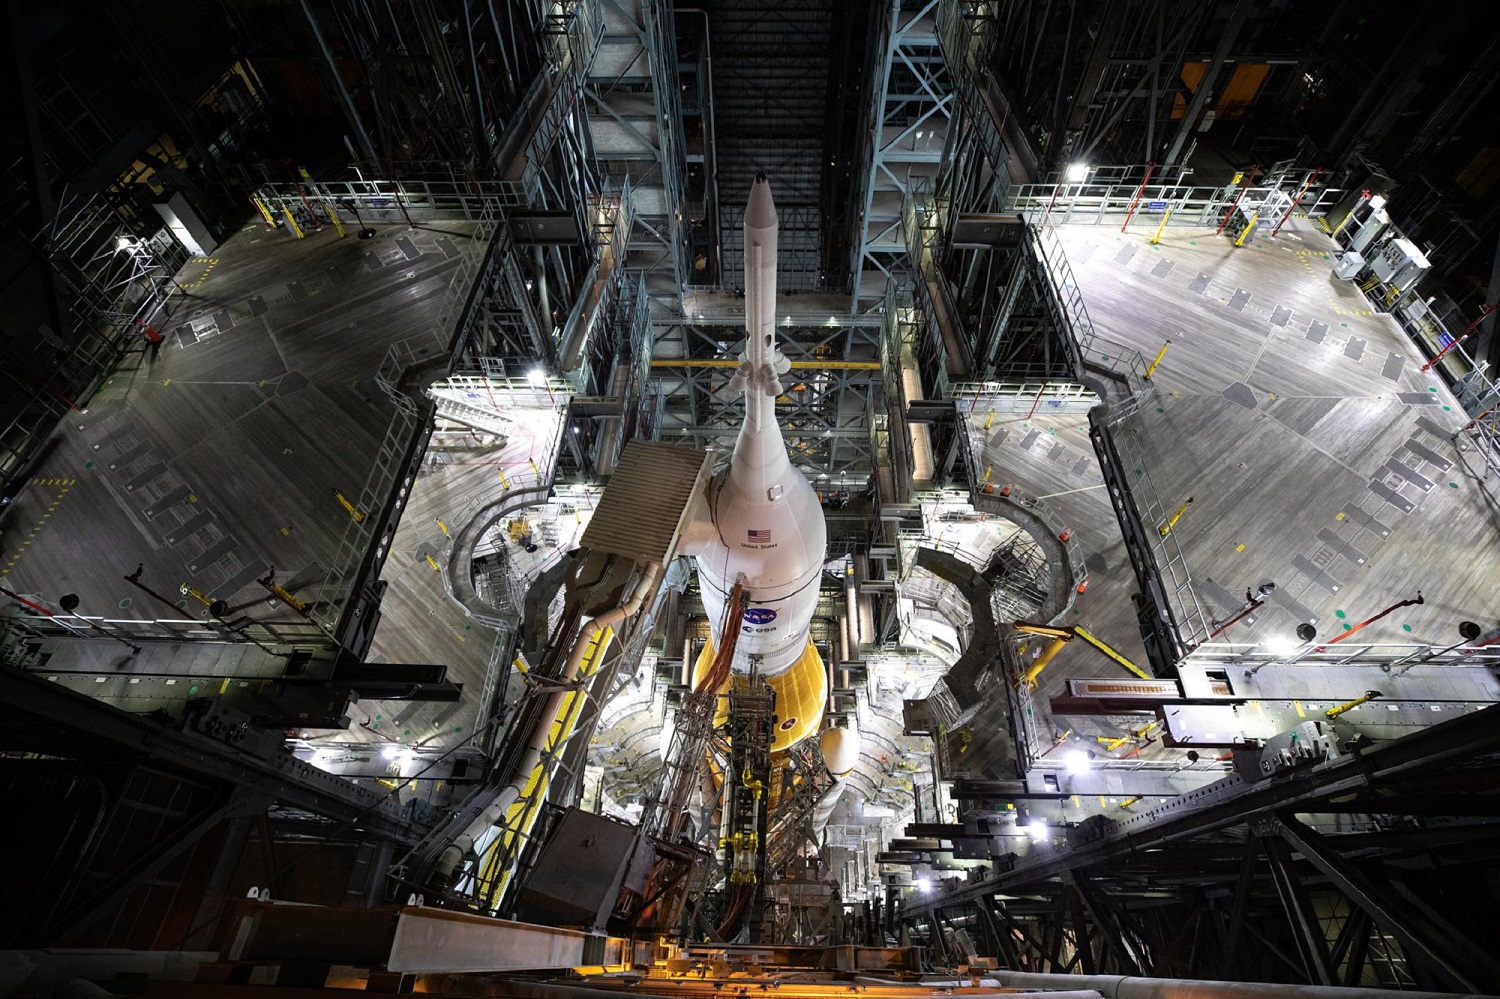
{"x":216,"y":457}
{"x":1318,"y":455}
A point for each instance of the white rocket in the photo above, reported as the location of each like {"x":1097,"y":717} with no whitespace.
{"x":767,"y":525}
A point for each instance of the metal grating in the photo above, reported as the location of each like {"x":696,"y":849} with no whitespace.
{"x":648,"y":499}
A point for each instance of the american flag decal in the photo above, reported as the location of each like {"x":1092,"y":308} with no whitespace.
{"x":758,"y":537}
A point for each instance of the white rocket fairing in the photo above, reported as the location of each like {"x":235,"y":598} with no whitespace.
{"x":769,"y":530}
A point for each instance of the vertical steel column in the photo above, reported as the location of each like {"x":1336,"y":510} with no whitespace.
{"x":1461,"y":963}
{"x":1312,"y":945}
{"x":338,"y":81}
{"x":1237,"y":18}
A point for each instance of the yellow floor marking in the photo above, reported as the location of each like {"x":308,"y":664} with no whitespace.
{"x":62,"y":493}
{"x":1339,"y":515}
{"x":1239,"y":548}
{"x":1298,"y":706}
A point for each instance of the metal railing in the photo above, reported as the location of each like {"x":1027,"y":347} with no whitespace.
{"x":1389,"y":658}
{"x":415,"y":200}
{"x":294,"y":634}
{"x":1192,"y":621}
{"x":1183,"y":205}
{"x":1004,"y":398}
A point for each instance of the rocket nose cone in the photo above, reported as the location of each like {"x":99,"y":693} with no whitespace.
{"x":760,"y":210}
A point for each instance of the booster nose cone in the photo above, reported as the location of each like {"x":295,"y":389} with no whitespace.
{"x":760,"y":211}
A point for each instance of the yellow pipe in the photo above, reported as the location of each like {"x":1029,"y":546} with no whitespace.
{"x":197,"y":594}
{"x":715,"y":362}
{"x":521,"y":815}
{"x":1159,"y":355}
{"x":1031,"y":628}
{"x":1368,"y":695}
{"x":359,"y":518}
{"x":1166,"y":528}
{"x":1053,"y":648}
{"x":1099,"y":644}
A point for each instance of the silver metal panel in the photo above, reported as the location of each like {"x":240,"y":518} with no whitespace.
{"x":647,"y":501}
{"x":429,"y":940}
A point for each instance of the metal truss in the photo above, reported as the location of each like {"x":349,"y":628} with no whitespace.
{"x":109,"y":282}
{"x":1176,"y":887}
{"x":906,"y":131}
{"x":977,"y":174}
{"x":636,"y":135}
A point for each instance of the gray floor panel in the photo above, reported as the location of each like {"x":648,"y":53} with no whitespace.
{"x":1241,"y":394}
{"x":1344,"y":548}
{"x":1427,"y":424}
{"x":1392,"y":496}
{"x":1366,"y":521}
{"x":1299,"y":611}
{"x":1321,"y":577}
{"x":1426,"y":453}
{"x":1410,"y":474}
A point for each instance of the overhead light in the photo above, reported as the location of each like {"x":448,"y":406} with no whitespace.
{"x":390,"y":751}
{"x":1279,"y":645}
{"x":1037,"y":829}
{"x":1077,"y":173}
{"x":1077,"y":761}
{"x":537,"y":377}
{"x":1377,"y":202}
{"x":924,"y":884}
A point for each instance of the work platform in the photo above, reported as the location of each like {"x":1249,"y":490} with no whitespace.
{"x":1317,"y":455}
{"x":225,"y":450}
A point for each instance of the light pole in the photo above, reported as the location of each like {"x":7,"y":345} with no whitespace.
{"x":365,"y":232}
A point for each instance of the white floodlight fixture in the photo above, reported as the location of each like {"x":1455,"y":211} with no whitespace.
{"x":537,"y":377}
{"x":1377,"y":202}
{"x":924,"y":884}
{"x":1037,"y":828}
{"x":1077,"y":761}
{"x":1078,"y":173}
{"x":390,"y":752}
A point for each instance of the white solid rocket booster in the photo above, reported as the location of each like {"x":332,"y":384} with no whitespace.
{"x":768,"y":524}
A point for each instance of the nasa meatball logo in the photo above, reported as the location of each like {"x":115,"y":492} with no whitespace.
{"x":759,"y":615}
{"x":787,"y":725}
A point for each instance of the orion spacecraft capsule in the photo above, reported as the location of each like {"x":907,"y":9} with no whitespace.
{"x":767,"y":525}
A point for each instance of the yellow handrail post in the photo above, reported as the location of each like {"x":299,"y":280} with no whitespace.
{"x":1159,"y":355}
